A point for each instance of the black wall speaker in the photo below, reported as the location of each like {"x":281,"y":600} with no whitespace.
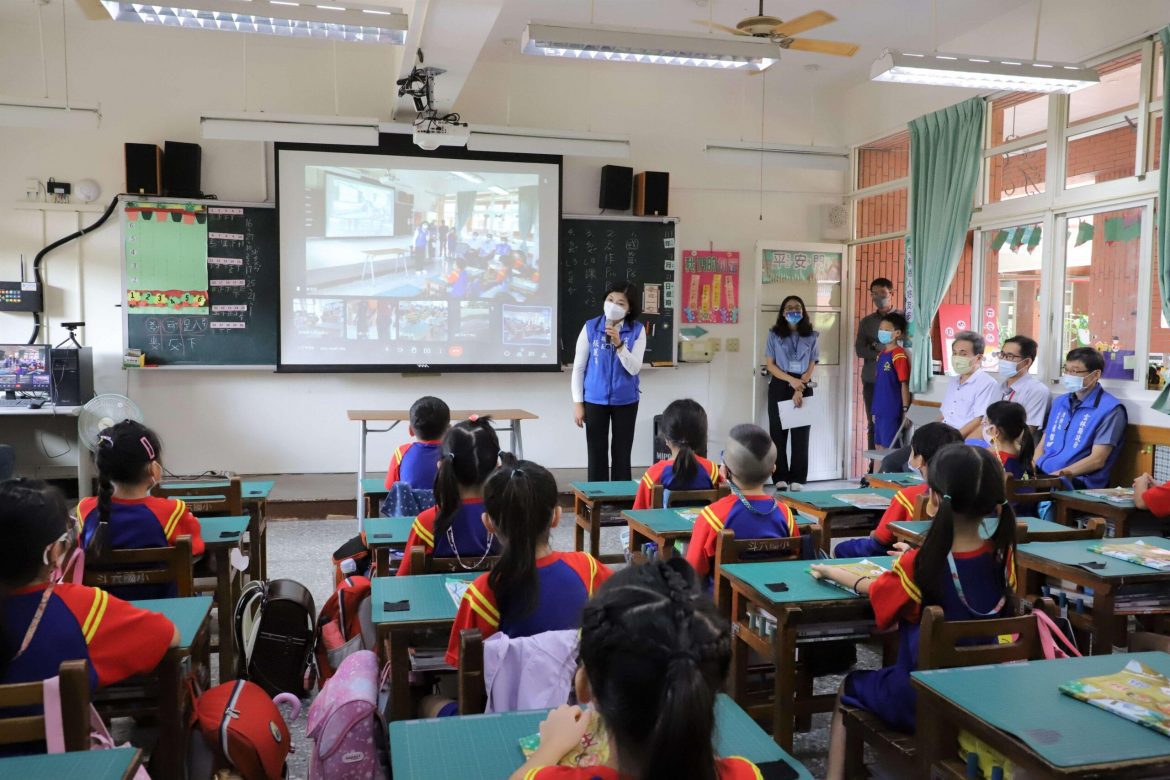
{"x":181,"y":164}
{"x":143,"y":169}
{"x":651,"y":194}
{"x":616,"y":181}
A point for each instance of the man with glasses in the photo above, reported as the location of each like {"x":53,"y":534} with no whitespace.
{"x":1016,"y":358}
{"x":1086,"y":425}
{"x":867,"y":347}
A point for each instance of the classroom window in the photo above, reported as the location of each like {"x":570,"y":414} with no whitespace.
{"x":883,"y":160}
{"x":954,"y":313}
{"x":1015,"y":168}
{"x":1103,"y":154}
{"x":1117,"y":92}
{"x":881,"y":214}
{"x":1102,"y":261}
{"x":1017,"y":173}
{"x":1010,"y":299}
{"x":1017,"y":116}
{"x":1155,"y":140}
{"x":1158,"y":364}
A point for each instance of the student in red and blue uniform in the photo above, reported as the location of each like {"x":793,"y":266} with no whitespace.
{"x":956,"y":568}
{"x":76,"y":622}
{"x":416,"y":462}
{"x":891,"y":390}
{"x":684,"y":427}
{"x":748,"y":460}
{"x":927,"y":440}
{"x":1006,"y":432}
{"x":124,"y":515}
{"x":654,"y":655}
{"x":453,"y":527}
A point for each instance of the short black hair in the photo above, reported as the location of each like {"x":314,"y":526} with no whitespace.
{"x":429,"y":417}
{"x":1027,"y":346}
{"x":881,"y":281}
{"x":750,"y":454}
{"x":1091,"y":358}
{"x":895,"y":319}
{"x":633,"y":295}
{"x":932,"y":437}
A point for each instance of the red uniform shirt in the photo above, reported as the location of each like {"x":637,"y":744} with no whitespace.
{"x":662,"y":472}
{"x":901,"y":508}
{"x":567,"y":580}
{"x":132,"y":522}
{"x":734,"y":768}
{"x":1157,"y":498}
{"x":728,"y":512}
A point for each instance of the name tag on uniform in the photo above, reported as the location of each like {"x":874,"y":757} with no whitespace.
{"x":795,"y":367}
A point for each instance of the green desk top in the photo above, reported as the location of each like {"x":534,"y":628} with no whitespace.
{"x":802,"y":586}
{"x":824,"y":499}
{"x":187,"y":614}
{"x":1035,"y":524}
{"x":672,"y":521}
{"x":255,"y":490}
{"x":615,"y":491}
{"x":1083,"y":496}
{"x":383,"y":531}
{"x":428,"y":597}
{"x":1024,"y":700}
{"x":905,"y":479}
{"x":374,"y":485}
{"x":486,"y":746}
{"x":1073,"y":553}
{"x":223,"y":530}
{"x":91,"y":764}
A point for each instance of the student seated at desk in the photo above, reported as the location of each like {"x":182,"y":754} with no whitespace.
{"x":416,"y":462}
{"x":1005,"y":430}
{"x":124,"y":515}
{"x":453,"y":527}
{"x":1152,"y":498}
{"x":927,"y":441}
{"x":43,"y":623}
{"x":748,"y":460}
{"x":969,"y":577}
{"x":654,"y":655}
{"x":684,"y":427}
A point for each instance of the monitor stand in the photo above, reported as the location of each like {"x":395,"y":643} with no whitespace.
{"x":9,"y":395}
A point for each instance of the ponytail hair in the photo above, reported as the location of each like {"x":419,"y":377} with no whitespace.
{"x":1011,"y":419}
{"x":469,"y":454}
{"x":684,"y":426}
{"x":656,"y":652}
{"x":520,"y":497}
{"x":970,"y":483}
{"x":124,"y":454}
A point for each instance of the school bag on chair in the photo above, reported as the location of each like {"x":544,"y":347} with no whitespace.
{"x":275,"y":627}
{"x":346,"y":725}
{"x":344,"y":626}
{"x":242,"y":730}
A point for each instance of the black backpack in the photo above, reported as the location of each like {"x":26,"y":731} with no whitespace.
{"x":275,"y":629}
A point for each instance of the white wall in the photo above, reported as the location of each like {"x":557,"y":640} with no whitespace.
{"x":152,"y":85}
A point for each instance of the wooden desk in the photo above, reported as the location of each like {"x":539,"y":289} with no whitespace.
{"x":914,"y":531}
{"x":384,"y":534}
{"x":255,"y":498}
{"x":474,"y":747}
{"x":221,"y":535}
{"x":1019,"y":710}
{"x":1104,"y":621}
{"x":807,"y":603}
{"x":893,"y":481}
{"x":430,"y":608}
{"x":397,"y":416}
{"x":373,"y":492}
{"x":665,"y":527}
{"x":1117,"y":515}
{"x":115,"y":764}
{"x":824,"y":506}
{"x":588,"y":499}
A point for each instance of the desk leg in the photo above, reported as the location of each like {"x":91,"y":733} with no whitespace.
{"x":170,"y":754}
{"x":1121,"y":524}
{"x":936,"y":737}
{"x":1062,"y":512}
{"x":1104,"y":622}
{"x":360,"y":500}
{"x":827,"y":533}
{"x":397,"y":651}
{"x":517,"y":440}
{"x":740,"y":652}
{"x":578,"y":529}
{"x":595,"y":530}
{"x":784,"y":706}
{"x":225,"y":607}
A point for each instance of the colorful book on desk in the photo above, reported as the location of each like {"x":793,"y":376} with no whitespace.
{"x":456,"y":588}
{"x":1119,"y":495}
{"x":1136,"y":552}
{"x":690,"y":513}
{"x":592,"y":751}
{"x":865,"y":568}
{"x":1136,"y":693}
{"x":864,"y":500}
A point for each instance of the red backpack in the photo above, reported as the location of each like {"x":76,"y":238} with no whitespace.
{"x":242,"y":730}
{"x":344,"y":626}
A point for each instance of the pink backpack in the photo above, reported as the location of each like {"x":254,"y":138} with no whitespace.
{"x":345,"y":725}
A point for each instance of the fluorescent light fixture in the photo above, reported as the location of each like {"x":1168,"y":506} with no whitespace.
{"x":984,"y":73}
{"x":625,"y":44}
{"x":821,"y":158}
{"x":29,"y":112}
{"x":471,"y":177}
{"x":520,"y":140}
{"x":292,"y":128}
{"x":348,"y":22}
{"x":499,"y":190}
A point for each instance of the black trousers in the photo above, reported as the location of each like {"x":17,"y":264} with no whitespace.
{"x":609,"y":461}
{"x":867,"y":395}
{"x":897,"y":462}
{"x":796,"y":468}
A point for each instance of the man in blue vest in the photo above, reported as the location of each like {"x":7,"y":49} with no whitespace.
{"x":1085,"y":427}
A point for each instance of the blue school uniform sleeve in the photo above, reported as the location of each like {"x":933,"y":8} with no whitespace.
{"x":859,"y":548}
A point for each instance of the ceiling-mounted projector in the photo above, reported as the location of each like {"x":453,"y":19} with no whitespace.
{"x":441,"y":134}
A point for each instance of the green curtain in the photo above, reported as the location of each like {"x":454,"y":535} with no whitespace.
{"x":464,"y":207}
{"x":944,"y":171}
{"x":1163,"y":223}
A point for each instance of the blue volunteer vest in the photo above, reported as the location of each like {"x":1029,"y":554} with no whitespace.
{"x":607,"y":382}
{"x":1069,"y":437}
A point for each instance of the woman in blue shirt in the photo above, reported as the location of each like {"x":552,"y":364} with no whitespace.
{"x":792,"y":354}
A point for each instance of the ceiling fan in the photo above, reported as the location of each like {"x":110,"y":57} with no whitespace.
{"x":782,"y":32}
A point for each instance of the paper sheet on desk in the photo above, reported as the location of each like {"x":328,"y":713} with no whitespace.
{"x":791,"y":417}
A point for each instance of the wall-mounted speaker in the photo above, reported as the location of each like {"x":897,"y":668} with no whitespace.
{"x":651,"y":194}
{"x":616,"y":183}
{"x":181,"y":170}
{"x":143,"y":169}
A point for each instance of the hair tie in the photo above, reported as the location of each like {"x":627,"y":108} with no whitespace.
{"x":450,"y":456}
{"x":146,"y":446}
{"x":473,"y":417}
{"x":105,"y":440}
{"x":946,"y":496}
{"x":515,"y":471}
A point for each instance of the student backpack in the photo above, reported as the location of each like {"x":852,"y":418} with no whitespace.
{"x":275,"y":625}
{"x":344,"y":626}
{"x":346,"y":725}
{"x":242,"y":730}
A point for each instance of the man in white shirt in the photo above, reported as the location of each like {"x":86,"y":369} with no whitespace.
{"x":1016,"y":357}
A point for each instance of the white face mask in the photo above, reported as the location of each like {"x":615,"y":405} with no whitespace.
{"x":1072,"y":382}
{"x":989,"y":434}
{"x":613,"y":311}
{"x":1007,"y":369}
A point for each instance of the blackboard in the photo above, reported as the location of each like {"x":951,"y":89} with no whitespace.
{"x":201,"y":282}
{"x":596,"y":251}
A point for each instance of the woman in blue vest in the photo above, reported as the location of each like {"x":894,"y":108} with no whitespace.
{"x":792,"y":354}
{"x":1085,"y":427}
{"x":605,"y":381}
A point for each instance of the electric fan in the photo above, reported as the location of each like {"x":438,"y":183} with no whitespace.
{"x":102,"y":412}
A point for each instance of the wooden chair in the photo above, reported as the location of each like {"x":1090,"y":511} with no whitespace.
{"x":74,"y":709}
{"x":658,"y":497}
{"x":920,"y":507}
{"x":208,"y":497}
{"x":1029,"y":492}
{"x":423,"y":562}
{"x":470,"y":682}
{"x":1142,"y":641}
{"x":939,"y":648}
{"x":149,"y":566}
{"x":728,"y":549}
{"x":1095,"y":529}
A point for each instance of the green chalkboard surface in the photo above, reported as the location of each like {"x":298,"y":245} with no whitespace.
{"x":201,"y":282}
{"x":596,"y":251}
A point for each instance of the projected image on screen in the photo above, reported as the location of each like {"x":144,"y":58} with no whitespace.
{"x":23,"y":369}
{"x":400,"y":260}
